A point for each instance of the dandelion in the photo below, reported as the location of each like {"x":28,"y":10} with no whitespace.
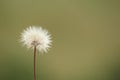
{"x":36,"y":38}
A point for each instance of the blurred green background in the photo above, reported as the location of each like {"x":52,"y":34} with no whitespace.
{"x":85,"y":34}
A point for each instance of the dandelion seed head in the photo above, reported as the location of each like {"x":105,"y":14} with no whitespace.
{"x":36,"y":37}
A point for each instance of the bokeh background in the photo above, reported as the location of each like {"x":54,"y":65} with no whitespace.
{"x":85,"y":34}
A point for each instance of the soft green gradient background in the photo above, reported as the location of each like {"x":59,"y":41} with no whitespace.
{"x":86,"y":39}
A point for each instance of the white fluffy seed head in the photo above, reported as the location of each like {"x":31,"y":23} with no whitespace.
{"x":36,"y":37}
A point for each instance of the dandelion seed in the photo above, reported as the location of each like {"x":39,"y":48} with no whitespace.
{"x":38,"y":39}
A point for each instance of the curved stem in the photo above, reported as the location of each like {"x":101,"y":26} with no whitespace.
{"x":35,"y":63}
